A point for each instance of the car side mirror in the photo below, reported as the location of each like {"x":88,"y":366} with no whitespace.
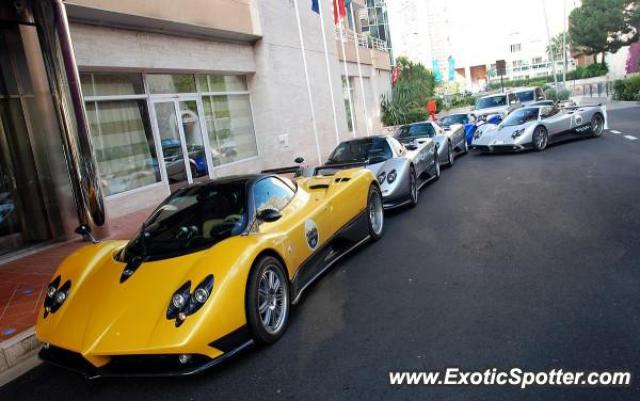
{"x":269,"y":215}
{"x":85,"y":231}
{"x":411,"y":146}
{"x":299,"y":160}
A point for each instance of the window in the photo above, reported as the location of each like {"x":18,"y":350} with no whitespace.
{"x":171,"y":83}
{"x":521,"y":116}
{"x":230,"y":128}
{"x":222,"y":83}
{"x":491,"y":101}
{"x":410,"y":132}
{"x":451,"y":119}
{"x":539,"y":94}
{"x":512,"y":98}
{"x":271,"y":193}
{"x":191,"y":219}
{"x":229,"y":119}
{"x":122,"y":139}
{"x":526,"y":96}
{"x":516,"y":47}
{"x":348,"y":93}
{"x":374,"y":150}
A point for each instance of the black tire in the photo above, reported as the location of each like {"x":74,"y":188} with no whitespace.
{"x":413,"y":187}
{"x":465,"y":145}
{"x":261,"y":268}
{"x":597,"y":125}
{"x":451,"y":155}
{"x":540,"y":144}
{"x":194,"y":171}
{"x":375,"y":205}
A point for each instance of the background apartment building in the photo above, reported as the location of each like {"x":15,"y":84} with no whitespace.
{"x":431,"y":31}
{"x":173,"y":92}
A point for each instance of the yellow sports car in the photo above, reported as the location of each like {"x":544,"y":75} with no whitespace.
{"x":214,"y":269}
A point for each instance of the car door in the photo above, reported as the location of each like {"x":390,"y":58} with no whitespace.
{"x":273,"y":193}
{"x":557,"y":122}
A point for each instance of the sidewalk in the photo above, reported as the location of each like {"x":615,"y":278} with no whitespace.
{"x":23,"y":284}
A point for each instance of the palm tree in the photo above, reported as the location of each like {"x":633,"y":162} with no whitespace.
{"x":554,"y":48}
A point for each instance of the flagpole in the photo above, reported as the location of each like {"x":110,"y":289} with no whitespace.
{"x":326,"y":59}
{"x":346,"y":76}
{"x":306,"y":76}
{"x":355,"y":44}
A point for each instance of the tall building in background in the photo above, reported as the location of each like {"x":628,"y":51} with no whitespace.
{"x":421,"y":32}
{"x":475,"y":35}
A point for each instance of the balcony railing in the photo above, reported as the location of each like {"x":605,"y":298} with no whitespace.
{"x":363,"y":40}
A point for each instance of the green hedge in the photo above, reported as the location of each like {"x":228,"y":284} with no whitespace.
{"x":590,"y":71}
{"x":627,"y":89}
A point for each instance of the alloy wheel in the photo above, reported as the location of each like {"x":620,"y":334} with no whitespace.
{"x":272,"y":300}
{"x":376,"y":213}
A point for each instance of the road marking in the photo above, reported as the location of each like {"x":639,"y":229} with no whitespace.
{"x":615,"y":132}
{"x":630,"y":137}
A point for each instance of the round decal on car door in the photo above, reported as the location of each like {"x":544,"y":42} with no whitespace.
{"x":311,"y":234}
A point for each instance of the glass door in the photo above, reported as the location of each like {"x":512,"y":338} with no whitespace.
{"x":194,"y":139}
{"x":183,"y":145}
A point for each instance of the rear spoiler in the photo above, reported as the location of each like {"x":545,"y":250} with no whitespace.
{"x":297,"y":170}
{"x":341,"y":166}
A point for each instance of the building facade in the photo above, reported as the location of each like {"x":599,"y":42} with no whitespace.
{"x":172,"y":93}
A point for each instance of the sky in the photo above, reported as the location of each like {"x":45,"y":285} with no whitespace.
{"x":486,"y":28}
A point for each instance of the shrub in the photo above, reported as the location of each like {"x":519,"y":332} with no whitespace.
{"x":593,"y":70}
{"x":550,"y":93}
{"x":627,"y":89}
{"x":563,"y":94}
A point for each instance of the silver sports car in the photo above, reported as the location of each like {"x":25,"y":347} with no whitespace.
{"x":536,"y":126}
{"x":450,"y":141}
{"x":401,"y":170}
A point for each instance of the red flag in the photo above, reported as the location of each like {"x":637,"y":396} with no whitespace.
{"x":339,"y":10}
{"x":395,"y":74}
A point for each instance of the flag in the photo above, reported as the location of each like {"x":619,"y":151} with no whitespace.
{"x":452,"y":68}
{"x":315,"y":7}
{"x":395,"y":74}
{"x":339,"y":10}
{"x":436,"y":70}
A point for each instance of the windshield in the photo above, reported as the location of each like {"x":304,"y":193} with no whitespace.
{"x":408,"y":133}
{"x":525,"y":96}
{"x":520,"y":117}
{"x":375,"y":150}
{"x":448,"y":121}
{"x":491,"y":101}
{"x":191,"y":219}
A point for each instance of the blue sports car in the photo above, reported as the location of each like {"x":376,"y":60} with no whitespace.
{"x":469,"y":122}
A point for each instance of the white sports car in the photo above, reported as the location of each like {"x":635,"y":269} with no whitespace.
{"x":535,"y":127}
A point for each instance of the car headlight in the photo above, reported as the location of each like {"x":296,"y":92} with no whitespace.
{"x":179,"y":301}
{"x":184,"y":302}
{"x":517,"y":133}
{"x":391,"y":177}
{"x":381,"y":177}
{"x":56,"y":295}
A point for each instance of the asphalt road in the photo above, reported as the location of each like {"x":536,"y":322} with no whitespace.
{"x":529,"y":260}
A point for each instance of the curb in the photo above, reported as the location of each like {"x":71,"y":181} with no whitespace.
{"x":18,"y":355}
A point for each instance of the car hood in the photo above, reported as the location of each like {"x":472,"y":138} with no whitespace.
{"x":102,"y":316}
{"x":492,"y":134}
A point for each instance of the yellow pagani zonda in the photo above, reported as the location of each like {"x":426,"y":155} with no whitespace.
{"x":214,"y":269}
